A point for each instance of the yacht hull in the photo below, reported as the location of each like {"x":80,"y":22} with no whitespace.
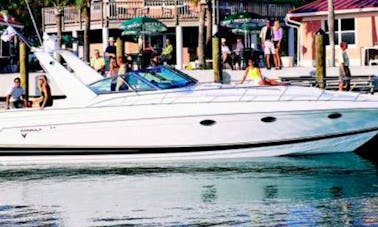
{"x":207,"y":131}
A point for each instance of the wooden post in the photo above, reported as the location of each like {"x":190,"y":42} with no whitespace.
{"x":120,"y":48}
{"x":24,"y":72}
{"x":320,"y":58}
{"x":217,"y":62}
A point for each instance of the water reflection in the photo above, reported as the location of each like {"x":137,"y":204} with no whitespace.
{"x":336,"y":192}
{"x":15,"y":215}
{"x":209,"y":193}
{"x":270,"y":191}
{"x":331,"y":190}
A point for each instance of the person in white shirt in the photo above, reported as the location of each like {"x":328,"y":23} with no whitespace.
{"x":238,"y":51}
{"x":15,"y":96}
{"x":226,"y":54}
{"x":344,"y":71}
{"x":266,"y":36}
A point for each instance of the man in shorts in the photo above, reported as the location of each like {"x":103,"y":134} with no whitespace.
{"x":344,"y":76}
{"x":266,"y":36}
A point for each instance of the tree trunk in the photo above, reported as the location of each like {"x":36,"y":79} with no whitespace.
{"x":209,"y":28}
{"x":24,"y":73}
{"x":201,"y":38}
{"x":331,"y":30}
{"x":58,"y":19}
{"x":87,"y":25}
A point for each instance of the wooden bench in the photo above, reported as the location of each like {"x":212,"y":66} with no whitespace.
{"x":360,"y":83}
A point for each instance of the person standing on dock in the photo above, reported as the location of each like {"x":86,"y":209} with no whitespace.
{"x":278,"y":35}
{"x":343,"y":58}
{"x":266,"y":36}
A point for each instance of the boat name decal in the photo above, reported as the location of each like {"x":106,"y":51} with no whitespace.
{"x":25,"y":131}
{"x":31,"y":129}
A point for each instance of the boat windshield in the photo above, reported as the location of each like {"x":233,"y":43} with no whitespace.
{"x":166,"y":77}
{"x":155,"y":78}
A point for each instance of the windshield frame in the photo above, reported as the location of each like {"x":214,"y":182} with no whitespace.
{"x":152,"y":79}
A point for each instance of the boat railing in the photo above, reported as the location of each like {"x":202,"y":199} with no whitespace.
{"x":237,"y":94}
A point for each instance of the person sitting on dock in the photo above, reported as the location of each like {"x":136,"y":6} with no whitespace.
{"x":98,"y":62}
{"x":166,"y":54}
{"x":254,"y":73}
{"x":16,"y":96}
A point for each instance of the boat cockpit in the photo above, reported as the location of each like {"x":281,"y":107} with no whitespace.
{"x":148,"y":79}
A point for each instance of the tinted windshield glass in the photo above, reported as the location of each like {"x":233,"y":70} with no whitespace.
{"x":144,"y":80}
{"x":166,"y":78}
{"x":124,"y":83}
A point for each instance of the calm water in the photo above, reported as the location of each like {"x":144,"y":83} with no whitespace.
{"x":323,"y":190}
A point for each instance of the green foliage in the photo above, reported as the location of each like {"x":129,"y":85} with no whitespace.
{"x":57,"y":3}
{"x":19,"y":11}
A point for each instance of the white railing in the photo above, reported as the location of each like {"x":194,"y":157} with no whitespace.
{"x":235,"y":94}
{"x":121,"y":10}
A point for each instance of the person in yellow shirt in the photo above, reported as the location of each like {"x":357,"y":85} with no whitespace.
{"x":98,"y":62}
{"x":166,"y":54}
{"x":255,"y":75}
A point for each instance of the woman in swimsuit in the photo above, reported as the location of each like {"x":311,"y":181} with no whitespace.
{"x":255,"y":75}
{"x":46,"y":98}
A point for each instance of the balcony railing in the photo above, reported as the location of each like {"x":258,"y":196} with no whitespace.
{"x":105,"y":12}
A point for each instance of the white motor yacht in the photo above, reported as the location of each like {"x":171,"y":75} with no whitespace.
{"x":162,"y":113}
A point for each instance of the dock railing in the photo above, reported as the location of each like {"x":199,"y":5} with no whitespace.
{"x":359,"y":83}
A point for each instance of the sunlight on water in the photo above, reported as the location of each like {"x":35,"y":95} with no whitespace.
{"x":330,"y":190}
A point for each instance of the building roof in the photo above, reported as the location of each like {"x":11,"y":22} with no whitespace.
{"x":322,"y":5}
{"x":11,"y":21}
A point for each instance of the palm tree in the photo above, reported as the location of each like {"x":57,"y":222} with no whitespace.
{"x":331,"y":30}
{"x":209,"y":26}
{"x":59,"y":7}
{"x":201,"y":36}
{"x":85,"y":8}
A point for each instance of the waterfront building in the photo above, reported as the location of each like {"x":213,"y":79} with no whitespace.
{"x":8,"y":58}
{"x":356,"y":22}
{"x":106,"y":17}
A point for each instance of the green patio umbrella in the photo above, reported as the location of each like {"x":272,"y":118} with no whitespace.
{"x":254,"y":25}
{"x":142,"y":26}
{"x":233,"y":20}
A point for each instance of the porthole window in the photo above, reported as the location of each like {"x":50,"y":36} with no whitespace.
{"x":207,"y":122}
{"x":268,"y":119}
{"x":335,"y":115}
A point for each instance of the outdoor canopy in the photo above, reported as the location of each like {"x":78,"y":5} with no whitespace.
{"x":142,"y":26}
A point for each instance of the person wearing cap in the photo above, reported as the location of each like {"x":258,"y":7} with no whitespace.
{"x":98,"y":62}
{"x":226,"y":54}
{"x":111,"y":49}
{"x":110,"y":52}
